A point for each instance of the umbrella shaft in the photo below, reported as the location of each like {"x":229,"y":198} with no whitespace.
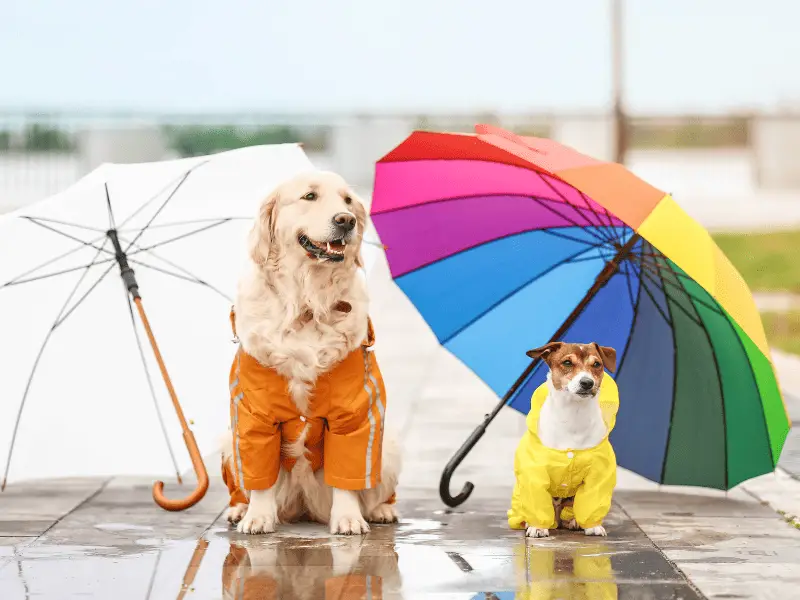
{"x":602,"y":279}
{"x":128,"y":276}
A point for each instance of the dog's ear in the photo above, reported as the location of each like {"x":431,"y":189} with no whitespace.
{"x":357,"y":208}
{"x":262,"y":233}
{"x":608,"y":355}
{"x":545,"y":351}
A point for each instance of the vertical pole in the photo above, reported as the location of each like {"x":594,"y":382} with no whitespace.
{"x":617,"y":60}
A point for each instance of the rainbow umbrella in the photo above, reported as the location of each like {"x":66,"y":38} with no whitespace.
{"x":504,"y":243}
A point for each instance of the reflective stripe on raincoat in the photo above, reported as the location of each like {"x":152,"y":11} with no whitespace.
{"x":543,"y":473}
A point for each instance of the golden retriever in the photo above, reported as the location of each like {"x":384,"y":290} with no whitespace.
{"x":304,"y":251}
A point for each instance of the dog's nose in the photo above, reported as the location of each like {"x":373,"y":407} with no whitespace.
{"x":345,"y":221}
{"x":586,"y":384}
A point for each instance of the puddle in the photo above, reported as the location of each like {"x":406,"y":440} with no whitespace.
{"x":122,"y":527}
{"x":306,"y":562}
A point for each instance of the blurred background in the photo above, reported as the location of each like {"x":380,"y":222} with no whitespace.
{"x":699,"y":97}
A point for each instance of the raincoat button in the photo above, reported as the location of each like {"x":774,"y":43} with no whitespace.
{"x":570,"y":454}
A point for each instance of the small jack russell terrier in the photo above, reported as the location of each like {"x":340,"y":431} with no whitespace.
{"x":565,"y":466}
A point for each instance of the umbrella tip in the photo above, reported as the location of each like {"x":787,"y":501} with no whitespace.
{"x":180,"y":479}
{"x":3,"y":485}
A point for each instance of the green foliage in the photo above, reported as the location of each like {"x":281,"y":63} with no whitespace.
{"x":689,"y":133}
{"x":37,"y":138}
{"x":767,"y":261}
{"x":199,"y":140}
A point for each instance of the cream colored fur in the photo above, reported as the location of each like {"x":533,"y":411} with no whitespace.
{"x":280,"y":285}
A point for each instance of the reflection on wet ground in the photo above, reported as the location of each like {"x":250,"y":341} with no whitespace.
{"x":430,"y":554}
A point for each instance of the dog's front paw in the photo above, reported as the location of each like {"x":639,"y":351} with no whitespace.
{"x":255,"y":522}
{"x":383,"y":513}
{"x":599,"y":530}
{"x":535,"y":532}
{"x":349,"y":525}
{"x":235,"y":513}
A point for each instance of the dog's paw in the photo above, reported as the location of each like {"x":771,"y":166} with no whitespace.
{"x":234,"y":514}
{"x":535,"y":532}
{"x":254,"y":523}
{"x":599,"y":530}
{"x":572,"y":525}
{"x":383,"y":513}
{"x":349,"y":525}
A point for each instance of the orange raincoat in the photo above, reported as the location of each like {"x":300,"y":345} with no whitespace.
{"x":343,"y":430}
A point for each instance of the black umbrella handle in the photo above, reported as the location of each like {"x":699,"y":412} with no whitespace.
{"x":447,"y":474}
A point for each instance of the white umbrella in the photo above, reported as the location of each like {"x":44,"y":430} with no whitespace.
{"x":80,"y":390}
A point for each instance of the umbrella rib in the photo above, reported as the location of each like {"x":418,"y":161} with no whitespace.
{"x":18,"y":281}
{"x":552,"y":231}
{"x":541,"y":202}
{"x":175,"y":239}
{"x":571,"y":205}
{"x":56,"y":323}
{"x":755,"y":380}
{"x":494,"y":305}
{"x":674,"y":385}
{"x":89,"y":244}
{"x":189,"y":222}
{"x":160,"y":208}
{"x":586,"y":200}
{"x":111,"y":223}
{"x":152,"y":388}
{"x":161,"y":191}
{"x":716,"y":368}
{"x":50,"y":262}
{"x":189,"y":277}
{"x":642,"y":284}
{"x":458,"y":198}
{"x":624,"y":269}
{"x":86,"y":295}
{"x":60,"y":222}
{"x":689,"y":315}
{"x":656,"y":270}
{"x":635,"y":316}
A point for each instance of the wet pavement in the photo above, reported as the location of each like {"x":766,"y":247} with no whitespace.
{"x":116,"y":544}
{"x":89,"y":538}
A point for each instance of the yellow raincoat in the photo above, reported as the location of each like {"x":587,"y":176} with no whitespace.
{"x":544,"y":473}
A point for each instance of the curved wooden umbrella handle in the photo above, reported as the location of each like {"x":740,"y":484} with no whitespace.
{"x":202,"y":480}
{"x":188,"y":437}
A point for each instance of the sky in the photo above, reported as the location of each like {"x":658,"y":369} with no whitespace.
{"x":381,"y":55}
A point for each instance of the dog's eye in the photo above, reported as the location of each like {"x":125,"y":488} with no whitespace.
{"x":348,"y":200}
{"x":310,"y":196}
{"x":596,"y":364}
{"x":567,"y":363}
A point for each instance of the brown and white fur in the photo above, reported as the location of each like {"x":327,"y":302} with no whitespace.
{"x":570,"y":417}
{"x":304,"y":251}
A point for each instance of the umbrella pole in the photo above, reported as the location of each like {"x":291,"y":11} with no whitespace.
{"x":602,"y":279}
{"x":197,"y":494}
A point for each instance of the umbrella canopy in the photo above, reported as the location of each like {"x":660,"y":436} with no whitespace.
{"x":81,"y":392}
{"x":504,"y":243}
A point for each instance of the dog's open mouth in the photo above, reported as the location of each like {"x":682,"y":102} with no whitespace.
{"x":332,"y":250}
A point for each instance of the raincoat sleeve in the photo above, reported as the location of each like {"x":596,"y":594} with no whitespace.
{"x":593,"y":498}
{"x":531,"y":502}
{"x":354,"y":438}
{"x":256,"y":435}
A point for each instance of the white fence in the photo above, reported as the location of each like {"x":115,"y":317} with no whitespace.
{"x":727,"y":187}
